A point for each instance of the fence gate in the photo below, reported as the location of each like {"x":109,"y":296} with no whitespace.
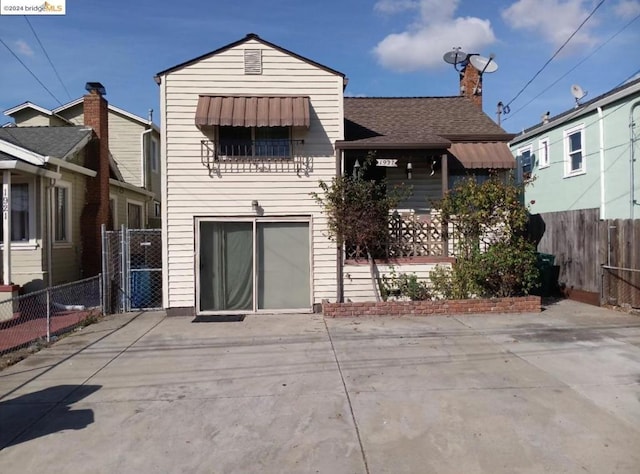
{"x":132,"y":269}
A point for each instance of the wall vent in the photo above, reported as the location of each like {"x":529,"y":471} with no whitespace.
{"x":253,"y":61}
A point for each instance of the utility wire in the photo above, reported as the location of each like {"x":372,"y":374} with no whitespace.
{"x":30,"y":71}
{"x":556,"y":53}
{"x":573,"y":68}
{"x":47,"y":56}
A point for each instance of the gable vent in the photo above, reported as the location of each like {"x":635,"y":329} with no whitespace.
{"x":253,"y":61}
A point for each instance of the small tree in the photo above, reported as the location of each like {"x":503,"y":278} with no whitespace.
{"x":357,"y":211}
{"x":489,"y":213}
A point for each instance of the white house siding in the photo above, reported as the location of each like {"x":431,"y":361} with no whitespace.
{"x":66,"y":257}
{"x":189,"y":189}
{"x":357,"y":278}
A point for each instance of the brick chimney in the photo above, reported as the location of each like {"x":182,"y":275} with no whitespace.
{"x":96,"y":209}
{"x":471,"y":83}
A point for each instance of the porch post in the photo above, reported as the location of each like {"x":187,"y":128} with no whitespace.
{"x":445,"y":174}
{"x":6,"y":223}
{"x":445,"y":188}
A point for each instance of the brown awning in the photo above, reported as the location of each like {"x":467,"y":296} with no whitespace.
{"x":495,"y":155}
{"x":253,"y":111}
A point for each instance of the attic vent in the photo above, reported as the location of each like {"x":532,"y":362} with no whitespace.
{"x":253,"y":61}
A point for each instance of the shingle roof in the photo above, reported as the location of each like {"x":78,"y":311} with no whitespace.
{"x":431,"y":122}
{"x":46,"y":141}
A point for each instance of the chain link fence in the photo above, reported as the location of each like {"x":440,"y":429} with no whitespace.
{"x":37,"y":317}
{"x":132,"y":269}
{"x":621,"y":287}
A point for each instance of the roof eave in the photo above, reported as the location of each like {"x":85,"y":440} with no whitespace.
{"x":355,"y":145}
{"x":250,"y":36}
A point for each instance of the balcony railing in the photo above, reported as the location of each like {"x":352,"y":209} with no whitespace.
{"x":275,"y":155}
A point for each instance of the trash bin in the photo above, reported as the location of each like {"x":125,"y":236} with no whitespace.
{"x":544,"y":263}
{"x":141,"y":296}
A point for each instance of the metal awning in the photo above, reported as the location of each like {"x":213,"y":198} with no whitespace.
{"x":494,"y":155}
{"x":253,"y":111}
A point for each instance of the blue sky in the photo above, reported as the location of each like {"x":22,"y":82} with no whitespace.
{"x":385,"y":47}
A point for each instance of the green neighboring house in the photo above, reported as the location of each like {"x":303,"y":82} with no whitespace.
{"x":587,"y":157}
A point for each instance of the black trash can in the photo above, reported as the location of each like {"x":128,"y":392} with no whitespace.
{"x":544,"y":263}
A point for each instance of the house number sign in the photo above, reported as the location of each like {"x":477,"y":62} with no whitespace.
{"x":387,"y":163}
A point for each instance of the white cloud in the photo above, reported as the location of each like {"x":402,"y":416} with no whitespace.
{"x":23,"y":48}
{"x":553,"y":21}
{"x":435,"y":31}
{"x":627,"y":8}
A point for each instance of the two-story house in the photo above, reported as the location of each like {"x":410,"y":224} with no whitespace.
{"x":134,"y":148}
{"x":586,"y":157}
{"x":248,"y":131}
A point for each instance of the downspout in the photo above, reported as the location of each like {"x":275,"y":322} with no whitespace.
{"x":50,"y":198}
{"x":632,"y":159}
{"x":144,"y":151}
{"x":602,"y":174}
{"x":6,"y":236}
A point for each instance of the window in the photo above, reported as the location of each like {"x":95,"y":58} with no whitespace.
{"x":543,"y":153}
{"x":267,"y":142}
{"x":525,"y":160}
{"x":156,"y":209}
{"x":134,"y":215}
{"x":62,"y":213}
{"x":155,"y":155}
{"x":574,"y":151}
{"x":22,"y":212}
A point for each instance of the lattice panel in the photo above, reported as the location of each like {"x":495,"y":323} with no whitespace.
{"x":410,"y":235}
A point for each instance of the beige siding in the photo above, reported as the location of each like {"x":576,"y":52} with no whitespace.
{"x":122,"y":197}
{"x":125,"y":146}
{"x":31,"y":118}
{"x":357,"y":278}
{"x":191,"y":190}
{"x":66,"y":257}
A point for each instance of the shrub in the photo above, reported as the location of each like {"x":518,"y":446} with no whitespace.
{"x":403,"y":286}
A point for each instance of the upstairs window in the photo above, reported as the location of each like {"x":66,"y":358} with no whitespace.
{"x":543,"y":153}
{"x":574,"y":151}
{"x":264,"y":142}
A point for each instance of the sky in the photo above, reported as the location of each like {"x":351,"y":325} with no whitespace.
{"x":386,"y":48}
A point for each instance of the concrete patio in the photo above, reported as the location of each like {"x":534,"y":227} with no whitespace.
{"x":557,"y":391}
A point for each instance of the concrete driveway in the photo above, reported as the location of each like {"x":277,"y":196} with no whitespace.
{"x":552,"y":392}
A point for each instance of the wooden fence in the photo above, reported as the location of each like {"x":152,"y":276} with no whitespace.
{"x":591,"y":254}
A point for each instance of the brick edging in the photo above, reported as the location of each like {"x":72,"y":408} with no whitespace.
{"x":524,"y":304}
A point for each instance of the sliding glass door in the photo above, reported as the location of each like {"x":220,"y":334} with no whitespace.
{"x":253,"y":264}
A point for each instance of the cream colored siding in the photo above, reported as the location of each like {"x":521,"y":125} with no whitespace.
{"x":190,"y":189}
{"x":66,"y":257}
{"x":31,"y":118}
{"x":122,"y":197}
{"x":357,"y":278}
{"x":125,"y":146}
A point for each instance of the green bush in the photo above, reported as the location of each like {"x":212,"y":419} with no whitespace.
{"x":403,"y":285}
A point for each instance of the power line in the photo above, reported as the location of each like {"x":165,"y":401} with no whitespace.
{"x":47,"y":56}
{"x":573,"y":68}
{"x":30,"y":71}
{"x":556,"y":53}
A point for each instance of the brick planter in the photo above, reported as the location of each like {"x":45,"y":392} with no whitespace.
{"x":525,"y":304}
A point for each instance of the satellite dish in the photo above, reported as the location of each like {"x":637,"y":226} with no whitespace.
{"x":483,"y":64}
{"x":455,"y":57}
{"x":578,"y":93}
